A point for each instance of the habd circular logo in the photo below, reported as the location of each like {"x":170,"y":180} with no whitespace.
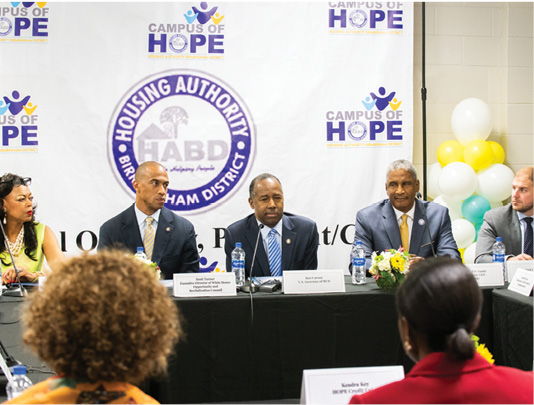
{"x":192,"y":123}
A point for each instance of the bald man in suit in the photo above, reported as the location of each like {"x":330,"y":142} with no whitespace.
{"x":174,"y":246}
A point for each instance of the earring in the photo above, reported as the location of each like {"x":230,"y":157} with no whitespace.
{"x":407,"y":346}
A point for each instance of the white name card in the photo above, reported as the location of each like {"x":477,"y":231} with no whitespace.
{"x":313,"y":281}
{"x":42,"y":281}
{"x":513,"y":265}
{"x":522,"y":282}
{"x":488,"y":274}
{"x":338,"y":385}
{"x":204,"y":284}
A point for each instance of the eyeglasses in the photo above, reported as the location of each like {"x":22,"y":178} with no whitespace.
{"x":20,"y":181}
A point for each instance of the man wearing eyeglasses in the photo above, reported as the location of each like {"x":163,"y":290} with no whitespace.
{"x":168,"y":239}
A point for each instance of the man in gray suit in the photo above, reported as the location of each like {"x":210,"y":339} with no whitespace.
{"x":295,"y":236}
{"x":513,"y":223}
{"x":174,"y":246}
{"x":379,"y":225}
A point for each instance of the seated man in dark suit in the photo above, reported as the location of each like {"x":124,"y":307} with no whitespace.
{"x":295,"y":236}
{"x":168,"y":240}
{"x":513,"y":223}
{"x":399,"y":220}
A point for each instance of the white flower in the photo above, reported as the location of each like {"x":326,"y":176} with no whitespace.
{"x":384,"y":265}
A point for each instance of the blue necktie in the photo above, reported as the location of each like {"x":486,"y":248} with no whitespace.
{"x":275,"y":255}
{"x":527,"y":239}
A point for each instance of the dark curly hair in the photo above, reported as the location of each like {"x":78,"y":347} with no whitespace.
{"x":7,"y":182}
{"x":103,"y":317}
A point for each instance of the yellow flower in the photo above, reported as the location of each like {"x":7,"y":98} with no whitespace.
{"x":397,"y":262}
{"x":484,"y":352}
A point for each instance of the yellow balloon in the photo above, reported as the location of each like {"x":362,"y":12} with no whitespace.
{"x":462,"y":253}
{"x":478,"y":154}
{"x":498,"y":152}
{"x":450,"y":151}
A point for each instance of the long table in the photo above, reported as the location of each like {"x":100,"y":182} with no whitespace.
{"x":243,"y":350}
{"x":238,"y":349}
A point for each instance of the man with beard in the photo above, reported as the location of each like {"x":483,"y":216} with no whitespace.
{"x":288,"y":241}
{"x":513,"y":223}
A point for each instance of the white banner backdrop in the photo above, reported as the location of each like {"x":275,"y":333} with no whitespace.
{"x":319,"y":94}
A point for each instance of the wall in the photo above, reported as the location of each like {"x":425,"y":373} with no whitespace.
{"x":482,"y":50}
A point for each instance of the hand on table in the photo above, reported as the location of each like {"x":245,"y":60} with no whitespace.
{"x":522,"y":256}
{"x":9,"y":276}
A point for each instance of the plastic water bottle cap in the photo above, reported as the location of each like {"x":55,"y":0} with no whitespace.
{"x":140,"y":250}
{"x":19,"y":370}
{"x":359,"y":242}
{"x":498,"y":239}
{"x":238,"y":244}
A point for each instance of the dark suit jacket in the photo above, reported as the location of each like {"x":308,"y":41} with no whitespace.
{"x":503,"y":222}
{"x":300,"y":241}
{"x":437,"y":379}
{"x":175,"y":246}
{"x":378,"y":229}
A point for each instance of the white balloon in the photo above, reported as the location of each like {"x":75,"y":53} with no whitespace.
{"x":457,"y":181}
{"x":464,"y":232}
{"x":469,"y":254}
{"x":454,"y":206}
{"x":495,"y":182}
{"x":434,"y":171}
{"x":470,"y":120}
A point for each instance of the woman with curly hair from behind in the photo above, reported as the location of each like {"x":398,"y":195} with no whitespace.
{"x":102,"y":323}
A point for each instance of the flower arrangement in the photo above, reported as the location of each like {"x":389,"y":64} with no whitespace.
{"x":153,"y":266}
{"x":482,"y":349}
{"x":390,"y":267}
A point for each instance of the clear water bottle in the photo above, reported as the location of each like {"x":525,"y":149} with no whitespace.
{"x":238,"y":264}
{"x":141,"y":253}
{"x":499,"y":250}
{"x":19,"y":384}
{"x":358,"y":263}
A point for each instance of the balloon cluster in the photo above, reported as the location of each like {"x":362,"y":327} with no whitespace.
{"x":470,"y":177}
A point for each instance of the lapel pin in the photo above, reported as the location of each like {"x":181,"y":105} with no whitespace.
{"x":288,"y":241}
{"x":421,"y":221}
{"x":168,"y":229}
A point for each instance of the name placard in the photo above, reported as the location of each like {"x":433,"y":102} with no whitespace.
{"x":513,"y":265}
{"x":313,"y":281}
{"x":204,"y":285}
{"x":522,"y":282}
{"x":488,"y":274}
{"x":338,"y":385}
{"x":42,"y":281}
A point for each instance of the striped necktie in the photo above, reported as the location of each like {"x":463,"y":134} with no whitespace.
{"x":527,"y":238}
{"x":275,"y":255}
{"x":148,"y":239}
{"x":405,"y":234}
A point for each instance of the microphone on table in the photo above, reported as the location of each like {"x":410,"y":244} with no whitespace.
{"x":253,"y":287}
{"x":19,"y":291}
{"x":431,"y":243}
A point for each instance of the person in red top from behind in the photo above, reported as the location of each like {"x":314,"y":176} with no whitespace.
{"x":438,"y":307}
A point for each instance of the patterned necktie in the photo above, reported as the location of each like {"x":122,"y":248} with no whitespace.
{"x":275,"y":255}
{"x":148,"y":239}
{"x":405,"y":234}
{"x":527,"y":239}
